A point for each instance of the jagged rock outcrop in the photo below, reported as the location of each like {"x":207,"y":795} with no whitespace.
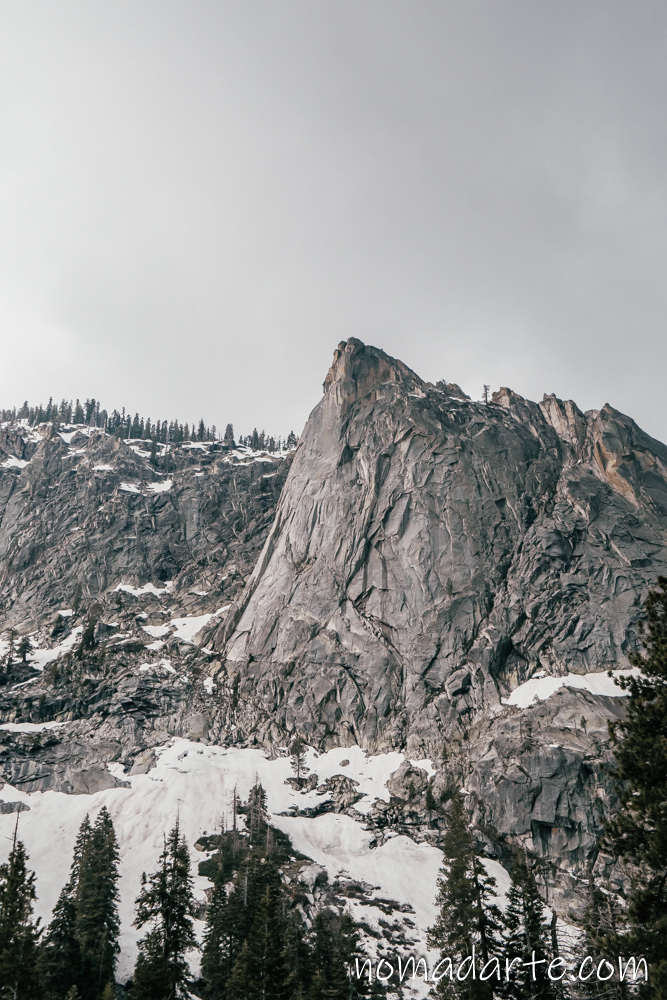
{"x":430,"y":553}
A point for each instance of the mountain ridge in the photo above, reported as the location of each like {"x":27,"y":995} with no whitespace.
{"x":414,"y":577}
{"x":483,"y":516}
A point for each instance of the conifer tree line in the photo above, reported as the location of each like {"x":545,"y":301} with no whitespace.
{"x":126,"y":426}
{"x":256,"y":944}
{"x":470,"y":918}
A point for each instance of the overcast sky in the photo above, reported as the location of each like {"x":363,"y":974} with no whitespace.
{"x":199,"y":199}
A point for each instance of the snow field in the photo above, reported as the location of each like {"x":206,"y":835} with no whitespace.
{"x":196,"y":783}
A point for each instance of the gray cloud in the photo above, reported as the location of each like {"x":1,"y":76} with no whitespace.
{"x":197,"y":201}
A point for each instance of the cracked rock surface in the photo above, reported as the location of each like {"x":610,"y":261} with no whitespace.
{"x":419,"y":558}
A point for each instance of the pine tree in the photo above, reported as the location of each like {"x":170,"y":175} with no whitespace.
{"x":97,"y":924}
{"x":256,"y":808}
{"x":261,"y":972}
{"x":333,"y":946}
{"x":152,"y":976}
{"x":600,"y":932}
{"x":166,"y":902}
{"x":467,"y":914}
{"x":25,"y":648}
{"x":216,"y":966}
{"x":298,"y":756}
{"x":297,"y":953}
{"x":60,"y":956}
{"x":638,"y":834}
{"x":526,"y":934}
{"x":19,"y":933}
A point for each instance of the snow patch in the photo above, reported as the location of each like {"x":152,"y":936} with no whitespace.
{"x":161,"y":665}
{"x":15,"y":463}
{"x":40,"y":658}
{"x":187,"y":628}
{"x":103,"y":468}
{"x":160,"y":487}
{"x":30,"y":727}
{"x":541,"y":688}
{"x":129,"y":488}
{"x":156,"y":630}
{"x":148,"y":588}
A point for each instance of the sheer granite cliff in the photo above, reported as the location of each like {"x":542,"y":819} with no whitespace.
{"x":430,"y":553}
{"x":418,"y":558}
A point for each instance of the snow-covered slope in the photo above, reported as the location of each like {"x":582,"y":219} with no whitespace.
{"x":197,"y":783}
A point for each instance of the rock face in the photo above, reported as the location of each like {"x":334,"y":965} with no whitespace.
{"x":91,"y":528}
{"x":430,"y":553}
{"x":418,"y":558}
{"x":82,"y":512}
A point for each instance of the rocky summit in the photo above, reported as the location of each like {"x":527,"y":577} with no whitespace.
{"x":426,"y":577}
{"x":429,"y":554}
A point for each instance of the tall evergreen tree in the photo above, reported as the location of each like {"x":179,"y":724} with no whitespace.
{"x":97,"y":924}
{"x":638,"y":834}
{"x":526,"y":935}
{"x":19,"y":933}
{"x":298,"y":756}
{"x":332,"y":950}
{"x":25,"y":648}
{"x":215,"y":964}
{"x":297,"y":953}
{"x":80,"y":946}
{"x":166,"y":902}
{"x":60,"y":957}
{"x":468,"y":916}
{"x":261,"y":972}
{"x":599,"y":941}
